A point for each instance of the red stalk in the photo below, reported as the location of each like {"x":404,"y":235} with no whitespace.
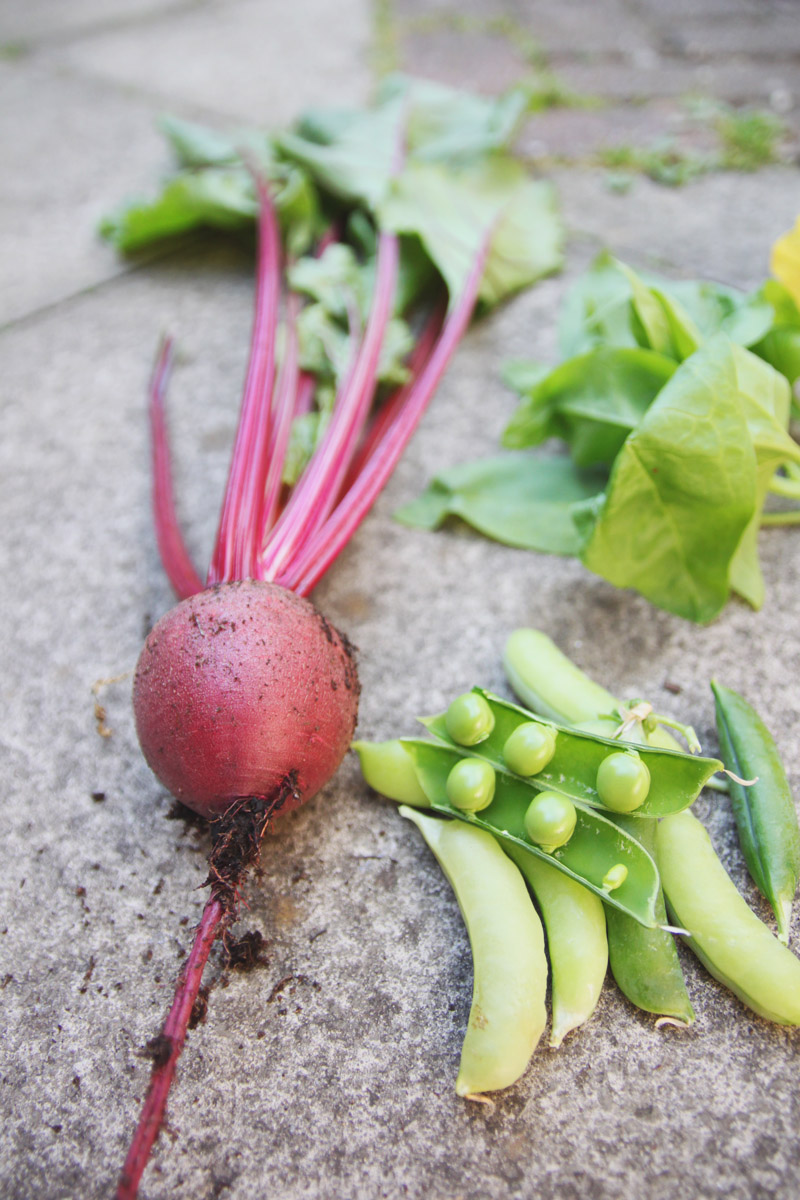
{"x":392,"y":405}
{"x":172,"y":1037}
{"x":243,"y":495}
{"x":171,"y":546}
{"x":284,"y":408}
{"x":318,"y":552}
{"x":315,"y":494}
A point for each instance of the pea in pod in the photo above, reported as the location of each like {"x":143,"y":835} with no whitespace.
{"x":508,"y":1015}
{"x":764,"y":811}
{"x":644,"y":962}
{"x":676,"y":779}
{"x":724,"y":932}
{"x":576,"y":940}
{"x":596,"y":846}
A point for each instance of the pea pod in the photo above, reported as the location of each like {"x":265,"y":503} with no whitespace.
{"x":644,"y":962}
{"x":387,"y":767}
{"x":596,"y":846}
{"x":549,"y":682}
{"x":676,"y":779}
{"x":552,"y":685}
{"x":576,"y":940}
{"x":765,"y":814}
{"x":725,"y":933}
{"x":508,"y":1016}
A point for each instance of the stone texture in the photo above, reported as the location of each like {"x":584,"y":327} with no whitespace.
{"x":72,"y":149}
{"x":735,"y":80}
{"x":330,"y":1071}
{"x":246,"y":60}
{"x":579,"y":133}
{"x":37,"y":21}
{"x":489,"y":61}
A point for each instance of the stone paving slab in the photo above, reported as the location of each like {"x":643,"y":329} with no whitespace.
{"x":72,"y":148}
{"x":246,"y":60}
{"x":39,"y":21}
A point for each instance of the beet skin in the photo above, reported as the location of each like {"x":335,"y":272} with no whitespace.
{"x":244,"y":690}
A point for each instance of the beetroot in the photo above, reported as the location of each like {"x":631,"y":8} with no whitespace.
{"x":245,"y":697}
{"x":245,"y":690}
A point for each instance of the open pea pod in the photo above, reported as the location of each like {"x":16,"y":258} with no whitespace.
{"x":595,"y":847}
{"x":676,"y":779}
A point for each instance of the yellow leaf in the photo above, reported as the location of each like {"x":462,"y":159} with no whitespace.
{"x":785,"y":261}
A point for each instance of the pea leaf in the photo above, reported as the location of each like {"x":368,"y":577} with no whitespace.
{"x":765,"y":398}
{"x":592,"y":401}
{"x":516,"y":499}
{"x":686,"y":486}
{"x":613,"y":305}
{"x":597,"y":310}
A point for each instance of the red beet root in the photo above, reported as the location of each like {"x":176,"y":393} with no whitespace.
{"x":245,"y":696}
{"x":245,"y":690}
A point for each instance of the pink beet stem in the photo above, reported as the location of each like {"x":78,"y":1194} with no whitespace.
{"x":316,"y":492}
{"x":320,"y":551}
{"x":171,"y":546}
{"x":175,"y":1028}
{"x":392,"y":405}
{"x":242,"y":503}
{"x":283,"y":413}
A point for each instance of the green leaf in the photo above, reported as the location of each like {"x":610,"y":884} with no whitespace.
{"x":660,"y":321}
{"x":685,"y":487}
{"x":597,"y":310}
{"x":516,"y":499}
{"x":356,"y":162}
{"x":592,"y":402}
{"x":324,"y":345}
{"x":197,"y":146}
{"x":450,"y":125}
{"x":453,"y":213}
{"x":527,"y":242}
{"x":765,"y":398}
{"x":335,"y":279}
{"x":220,"y":197}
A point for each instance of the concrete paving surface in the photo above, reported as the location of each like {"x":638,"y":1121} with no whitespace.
{"x":329,"y":1072}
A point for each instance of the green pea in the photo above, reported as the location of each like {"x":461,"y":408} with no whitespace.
{"x":725,"y":933}
{"x":470,"y":785}
{"x":529,"y":748}
{"x":550,"y":820}
{"x":508,"y":1014}
{"x":615,"y":877}
{"x":469,"y":719}
{"x":623,"y":781}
